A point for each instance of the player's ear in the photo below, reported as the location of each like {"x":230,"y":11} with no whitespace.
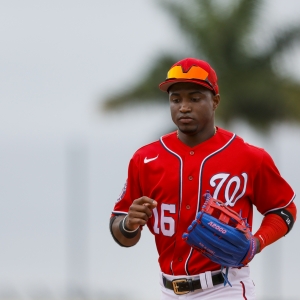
{"x":216,"y":101}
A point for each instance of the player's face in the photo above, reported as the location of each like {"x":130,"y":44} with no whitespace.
{"x":192,"y":107}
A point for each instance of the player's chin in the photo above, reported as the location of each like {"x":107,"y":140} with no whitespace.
{"x":188,"y":130}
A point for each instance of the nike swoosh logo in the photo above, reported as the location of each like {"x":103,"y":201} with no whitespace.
{"x":284,"y":214}
{"x":261,"y":238}
{"x":146,"y":160}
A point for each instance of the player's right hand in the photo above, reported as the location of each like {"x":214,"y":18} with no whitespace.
{"x":139,"y":212}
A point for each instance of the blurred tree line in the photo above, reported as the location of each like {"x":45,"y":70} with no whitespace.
{"x":253,"y":85}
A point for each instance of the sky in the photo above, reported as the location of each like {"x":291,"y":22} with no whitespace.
{"x":58,"y":61}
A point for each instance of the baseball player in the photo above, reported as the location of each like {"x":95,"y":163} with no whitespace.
{"x":166,"y":187}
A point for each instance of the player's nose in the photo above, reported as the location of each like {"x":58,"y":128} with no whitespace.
{"x":185,"y":107}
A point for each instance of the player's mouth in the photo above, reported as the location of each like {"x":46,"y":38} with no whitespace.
{"x":185,"y":120}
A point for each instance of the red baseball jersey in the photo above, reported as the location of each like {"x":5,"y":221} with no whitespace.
{"x":177,"y":176}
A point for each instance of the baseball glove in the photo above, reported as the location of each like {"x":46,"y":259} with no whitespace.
{"x":221,"y":234}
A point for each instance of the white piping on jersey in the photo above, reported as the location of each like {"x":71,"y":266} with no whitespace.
{"x":201,"y":168}
{"x":171,"y":266}
{"x":180,"y":192}
{"x":282,"y":206}
{"x":117,"y":212}
{"x":181,"y":166}
{"x":199,"y":190}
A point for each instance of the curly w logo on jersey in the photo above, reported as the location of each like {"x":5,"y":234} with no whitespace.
{"x":228,"y":187}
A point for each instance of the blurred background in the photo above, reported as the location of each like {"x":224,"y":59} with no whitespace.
{"x":78,"y":95}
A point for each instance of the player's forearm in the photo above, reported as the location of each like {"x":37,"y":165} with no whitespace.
{"x":126,"y":241}
{"x":273,"y":227}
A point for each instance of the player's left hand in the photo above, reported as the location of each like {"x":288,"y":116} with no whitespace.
{"x":222,"y":235}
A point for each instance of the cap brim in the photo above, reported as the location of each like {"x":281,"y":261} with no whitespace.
{"x":164,"y":86}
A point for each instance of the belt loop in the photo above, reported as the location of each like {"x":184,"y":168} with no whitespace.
{"x":191,"y":286}
{"x":164,"y":280}
{"x":203,"y":281}
{"x":209,"y":279}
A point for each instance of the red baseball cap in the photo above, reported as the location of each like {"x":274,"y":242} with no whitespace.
{"x":191,"y":70}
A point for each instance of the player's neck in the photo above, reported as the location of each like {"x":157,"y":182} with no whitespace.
{"x":194,"y":140}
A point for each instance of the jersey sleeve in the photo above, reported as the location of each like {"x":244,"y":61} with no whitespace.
{"x":271,"y":191}
{"x":131,"y":189}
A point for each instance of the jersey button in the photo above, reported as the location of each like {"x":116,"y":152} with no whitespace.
{"x":180,"y":259}
{"x":187,"y":207}
{"x":192,"y":153}
{"x":190,"y":177}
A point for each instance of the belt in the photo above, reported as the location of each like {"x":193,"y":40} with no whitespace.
{"x":182,"y":286}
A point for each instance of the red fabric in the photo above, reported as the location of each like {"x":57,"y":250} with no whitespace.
{"x":177,"y":176}
{"x":273,"y":227}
